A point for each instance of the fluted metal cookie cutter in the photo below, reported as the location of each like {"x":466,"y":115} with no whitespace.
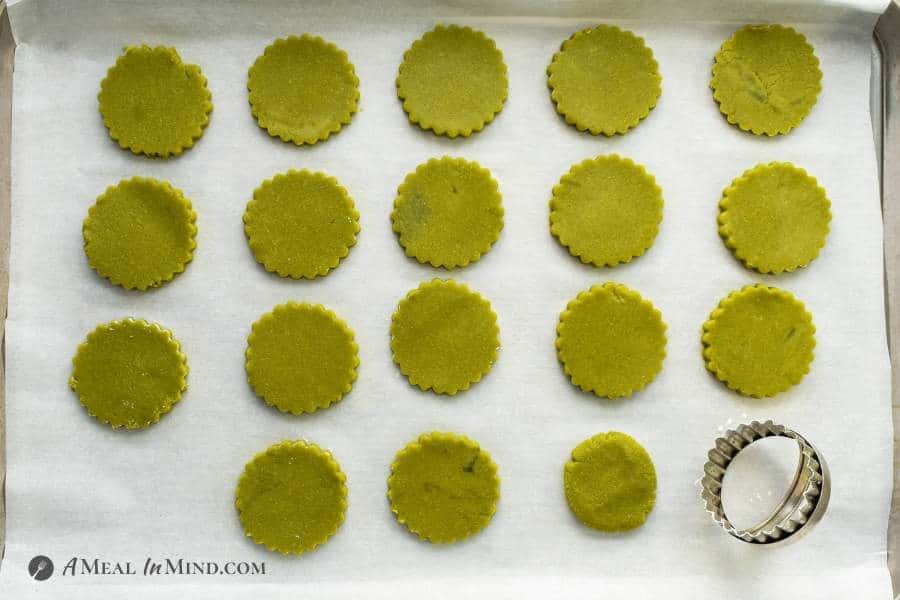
{"x":804,"y":503}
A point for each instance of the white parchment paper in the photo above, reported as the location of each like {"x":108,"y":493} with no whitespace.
{"x":76,"y":489}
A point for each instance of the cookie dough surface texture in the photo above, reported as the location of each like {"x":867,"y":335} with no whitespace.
{"x":154,"y":104}
{"x":303,"y":89}
{"x":759,"y":341}
{"x":301,"y":224}
{"x":610,"y":482}
{"x":129,"y":373}
{"x":448,"y":212}
{"x":611,"y":341}
{"x":452,"y":81}
{"x":292,"y":497}
{"x":774,"y":218}
{"x":604,"y":80}
{"x":301,"y":357}
{"x":766,"y":79}
{"x":443,"y":487}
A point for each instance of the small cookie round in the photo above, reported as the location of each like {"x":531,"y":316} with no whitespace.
{"x":443,"y":487}
{"x":129,"y":373}
{"x":452,"y":81}
{"x":154,"y":104}
{"x":448,"y":212}
{"x":611,"y":341}
{"x":759,"y":341}
{"x":292,"y":497}
{"x":303,"y":89}
{"x":774,"y":218}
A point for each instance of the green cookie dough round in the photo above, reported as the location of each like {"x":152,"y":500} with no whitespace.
{"x":604,"y":80}
{"x":611,"y":341}
{"x":154,"y":104}
{"x":774,"y":218}
{"x":301,"y":224}
{"x":444,"y":336}
{"x":759,"y":341}
{"x":140,"y":233}
{"x":766,"y":79}
{"x":452,"y":81}
{"x":448,"y":212}
{"x":443,"y":487}
{"x":610,"y":482}
{"x":292,"y":497}
{"x":606,"y":210}
{"x":301,"y":357}
{"x":129,"y":373}
{"x":303,"y":89}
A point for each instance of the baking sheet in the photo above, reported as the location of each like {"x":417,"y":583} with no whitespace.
{"x":75,"y":489}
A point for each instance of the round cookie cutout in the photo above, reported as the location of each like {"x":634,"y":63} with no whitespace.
{"x":766,"y":79}
{"x":129,"y":373}
{"x":303,"y":89}
{"x":443,"y":487}
{"x":301,"y":224}
{"x":606,"y":210}
{"x":774,"y":218}
{"x":301,"y":357}
{"x":604,"y":80}
{"x":154,"y":104}
{"x":292,"y":497}
{"x":611,"y":341}
{"x":448,"y":212}
{"x":140,"y":233}
{"x":610,"y":482}
{"x":759,"y":341}
{"x":452,"y":81}
{"x":444,"y":336}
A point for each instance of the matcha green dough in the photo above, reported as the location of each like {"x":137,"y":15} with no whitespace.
{"x":443,"y":487}
{"x":774,"y":218}
{"x":610,"y":482}
{"x":766,"y":79}
{"x":129,"y":373}
{"x":606,"y":210}
{"x":611,"y":341}
{"x":140,"y":233}
{"x":303,"y":89}
{"x":452,"y":81}
{"x":292,"y":497}
{"x":448,"y":212}
{"x":444,"y":336}
{"x":759,"y":341}
{"x":154,"y":104}
{"x":301,"y":224}
{"x":301,"y":357}
{"x":604,"y":80}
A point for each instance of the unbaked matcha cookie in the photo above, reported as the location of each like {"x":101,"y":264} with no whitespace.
{"x":759,"y":341}
{"x":448,"y":212}
{"x":303,"y":89}
{"x":452,"y":81}
{"x":444,"y":336}
{"x":606,"y":210}
{"x":301,"y":224}
{"x":140,"y":233}
{"x":301,"y":357}
{"x":766,"y":79}
{"x":610,"y":482}
{"x":774,"y":218}
{"x":443,"y":487}
{"x":611,"y":341}
{"x":292,"y":497}
{"x":604,"y":80}
{"x":129,"y":373}
{"x":154,"y":104}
